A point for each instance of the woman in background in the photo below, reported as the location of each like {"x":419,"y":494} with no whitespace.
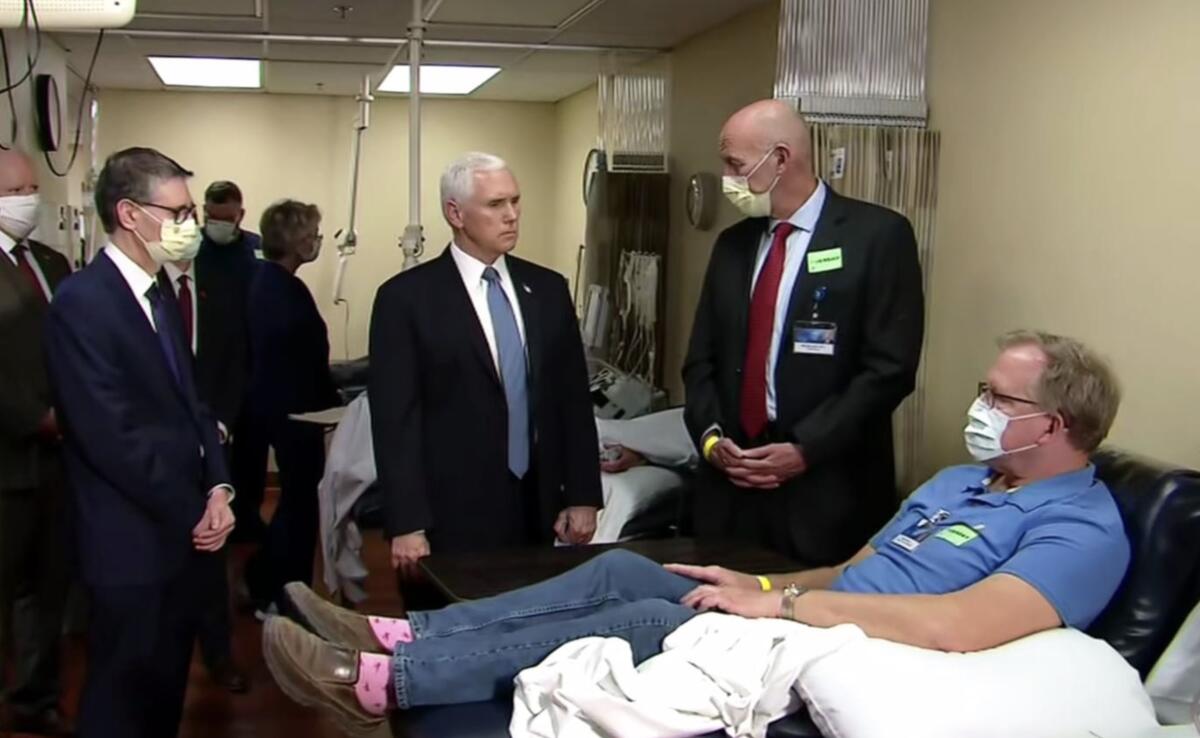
{"x":289,"y":345}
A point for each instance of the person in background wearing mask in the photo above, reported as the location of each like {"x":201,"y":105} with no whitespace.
{"x":480,"y":412}
{"x":34,"y":566}
{"x":806,"y":338}
{"x":1026,"y":540}
{"x":290,"y":374}
{"x":150,"y":487}
{"x":223,"y":234}
{"x":212,"y":308}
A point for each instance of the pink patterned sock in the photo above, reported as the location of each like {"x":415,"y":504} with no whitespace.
{"x":374,"y":685}
{"x":390,"y":631}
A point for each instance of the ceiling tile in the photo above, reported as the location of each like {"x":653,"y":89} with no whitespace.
{"x":529,"y":12}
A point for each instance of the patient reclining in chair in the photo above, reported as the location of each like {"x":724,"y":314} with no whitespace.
{"x":1027,"y":540}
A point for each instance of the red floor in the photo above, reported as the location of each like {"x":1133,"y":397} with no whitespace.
{"x":265,"y":712}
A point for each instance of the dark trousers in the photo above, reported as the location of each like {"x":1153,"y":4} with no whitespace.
{"x":34,"y":578}
{"x":139,"y":648}
{"x":291,"y":539}
{"x":820,"y":518}
{"x":216,"y":628}
{"x":248,"y":466}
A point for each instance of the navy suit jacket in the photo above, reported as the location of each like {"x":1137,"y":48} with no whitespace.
{"x":141,"y":451}
{"x":289,"y":348}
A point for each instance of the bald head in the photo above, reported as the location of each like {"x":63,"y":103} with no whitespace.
{"x":765,"y":123}
{"x":16,"y":174}
{"x":768,"y":143}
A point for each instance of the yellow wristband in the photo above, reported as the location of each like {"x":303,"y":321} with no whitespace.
{"x":764,"y":583}
{"x":712,"y":441}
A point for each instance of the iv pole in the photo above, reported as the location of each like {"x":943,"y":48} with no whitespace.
{"x":349,"y":245}
{"x":413,"y":240}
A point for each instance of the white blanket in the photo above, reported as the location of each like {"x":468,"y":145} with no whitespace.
{"x":715,"y":672}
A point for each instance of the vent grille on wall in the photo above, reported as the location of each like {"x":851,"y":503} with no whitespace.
{"x":627,"y":161}
{"x":854,"y":61}
{"x":634,"y":110}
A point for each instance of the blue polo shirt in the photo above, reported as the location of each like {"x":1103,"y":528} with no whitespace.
{"x":1062,"y":535}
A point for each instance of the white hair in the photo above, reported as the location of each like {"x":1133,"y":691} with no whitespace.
{"x":458,"y":181}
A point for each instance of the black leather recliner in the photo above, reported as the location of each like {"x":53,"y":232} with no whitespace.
{"x":1161,"y":507}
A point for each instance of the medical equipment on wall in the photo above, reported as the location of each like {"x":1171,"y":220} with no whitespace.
{"x":637,"y":313}
{"x":616,"y":394}
{"x":60,"y":14}
{"x":595,"y":319}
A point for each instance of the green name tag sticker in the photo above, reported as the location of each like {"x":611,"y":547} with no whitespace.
{"x":958,"y":535}
{"x":824,"y":261}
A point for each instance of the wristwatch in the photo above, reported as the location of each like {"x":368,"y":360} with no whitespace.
{"x":787,"y":606}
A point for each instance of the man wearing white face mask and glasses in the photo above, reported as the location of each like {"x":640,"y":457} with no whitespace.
{"x":145,"y":465}
{"x":34,"y":569}
{"x":807,"y":336}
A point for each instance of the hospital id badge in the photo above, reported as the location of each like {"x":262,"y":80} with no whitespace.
{"x":814,"y":338}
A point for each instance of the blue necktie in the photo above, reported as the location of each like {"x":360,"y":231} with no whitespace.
{"x":513,"y":372}
{"x":164,"y":330}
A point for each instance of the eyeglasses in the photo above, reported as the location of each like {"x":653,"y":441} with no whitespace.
{"x":179,"y":215}
{"x":989,"y":396}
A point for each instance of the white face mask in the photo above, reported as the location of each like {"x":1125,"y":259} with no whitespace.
{"x":221,"y":231}
{"x":18,"y":215}
{"x":985,"y":429}
{"x":176,"y":241}
{"x":737,"y":190}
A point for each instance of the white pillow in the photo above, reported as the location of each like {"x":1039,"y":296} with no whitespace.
{"x":1056,"y":684}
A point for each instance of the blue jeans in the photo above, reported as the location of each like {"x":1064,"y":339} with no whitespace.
{"x":472,"y":651}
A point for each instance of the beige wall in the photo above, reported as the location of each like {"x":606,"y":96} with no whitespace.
{"x":712,"y":75}
{"x":1067,"y":201}
{"x":577,"y":123}
{"x":278,"y":146}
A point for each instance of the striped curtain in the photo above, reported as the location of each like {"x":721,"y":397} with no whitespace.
{"x":895,"y":167}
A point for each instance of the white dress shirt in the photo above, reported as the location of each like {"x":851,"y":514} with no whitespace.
{"x":472,"y":270}
{"x":136,"y":278}
{"x":8,"y":246}
{"x":805,"y":220}
{"x":174,"y":273}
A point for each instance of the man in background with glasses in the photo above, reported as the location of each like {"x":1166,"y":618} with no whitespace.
{"x":148,"y":475}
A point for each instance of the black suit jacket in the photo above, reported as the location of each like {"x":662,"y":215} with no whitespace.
{"x":438,"y":412}
{"x":837,"y":408}
{"x":25,"y":461}
{"x":141,"y":450}
{"x":222,"y":360}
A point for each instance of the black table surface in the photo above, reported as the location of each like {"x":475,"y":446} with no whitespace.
{"x":470,"y":576}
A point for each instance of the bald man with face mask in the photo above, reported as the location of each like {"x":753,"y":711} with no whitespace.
{"x":807,"y":336}
{"x":33,"y":561}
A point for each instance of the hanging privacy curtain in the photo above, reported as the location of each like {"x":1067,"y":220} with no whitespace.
{"x":897,"y":168}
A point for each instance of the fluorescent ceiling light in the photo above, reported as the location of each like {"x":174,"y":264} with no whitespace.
{"x":194,"y":71}
{"x":439,"y":79}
